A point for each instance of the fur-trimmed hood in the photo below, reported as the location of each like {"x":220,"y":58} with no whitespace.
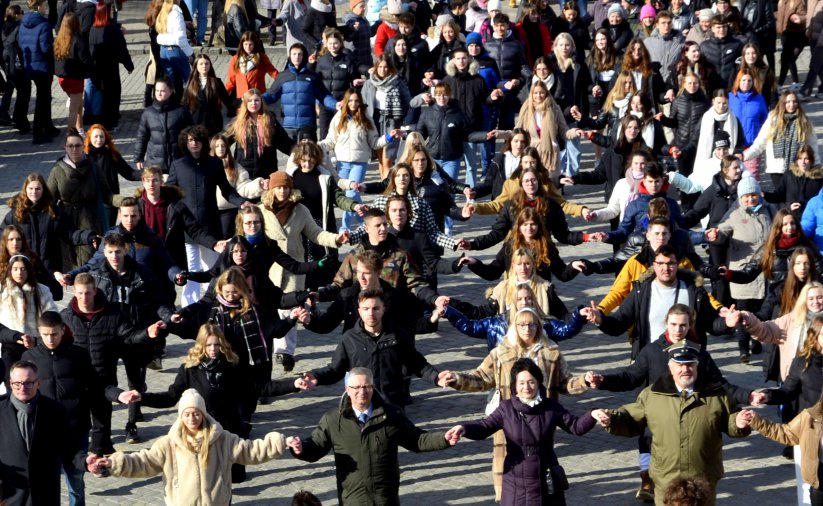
{"x":473,"y":70}
{"x":815,"y":172}
{"x":168,"y":193}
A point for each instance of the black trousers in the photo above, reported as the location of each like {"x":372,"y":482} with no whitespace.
{"x":793,"y":44}
{"x":42,"y":104}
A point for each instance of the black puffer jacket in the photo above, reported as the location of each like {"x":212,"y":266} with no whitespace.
{"x":67,"y":376}
{"x":469,"y":90}
{"x":510,"y":58}
{"x":441,"y":55}
{"x":337,"y":72}
{"x":385,"y":356}
{"x":46,"y":235}
{"x":445,"y":130}
{"x":722,"y":55}
{"x":714,"y":202}
{"x":201,"y":178}
{"x":12,"y":55}
{"x":621,"y":34}
{"x":555,"y":223}
{"x":797,"y":186}
{"x":802,"y":382}
{"x":135,"y":292}
{"x":685,"y":118}
{"x":104,"y":337}
{"x":78,"y":64}
{"x":160,"y":126}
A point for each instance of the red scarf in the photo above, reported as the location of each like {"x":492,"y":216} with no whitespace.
{"x":155,"y":215}
{"x":786,"y":242}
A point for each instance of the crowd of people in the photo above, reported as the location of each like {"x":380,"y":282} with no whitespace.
{"x":712,"y":190}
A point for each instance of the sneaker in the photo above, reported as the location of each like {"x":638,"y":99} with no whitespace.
{"x":795,"y":87}
{"x":286,"y":360}
{"x":156,"y":364}
{"x":744,"y":358}
{"x":646,"y":491}
{"x":132,"y":436}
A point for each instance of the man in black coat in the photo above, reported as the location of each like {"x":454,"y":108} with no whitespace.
{"x":374,"y":344}
{"x":34,"y":443}
{"x":722,"y":52}
{"x":101,"y":329}
{"x":67,"y":376}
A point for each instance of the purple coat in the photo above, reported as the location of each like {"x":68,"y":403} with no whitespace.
{"x":525,"y":427}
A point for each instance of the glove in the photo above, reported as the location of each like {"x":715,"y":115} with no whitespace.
{"x":181,"y":278}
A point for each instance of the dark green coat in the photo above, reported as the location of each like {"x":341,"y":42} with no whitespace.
{"x":366,"y":462}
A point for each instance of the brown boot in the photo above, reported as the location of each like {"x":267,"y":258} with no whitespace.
{"x":646,"y":491}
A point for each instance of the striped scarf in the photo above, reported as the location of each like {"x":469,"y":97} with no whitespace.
{"x":250,"y":328}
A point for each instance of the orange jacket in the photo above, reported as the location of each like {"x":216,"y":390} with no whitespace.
{"x":256,"y":78}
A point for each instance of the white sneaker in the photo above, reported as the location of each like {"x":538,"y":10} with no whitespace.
{"x":795,"y":86}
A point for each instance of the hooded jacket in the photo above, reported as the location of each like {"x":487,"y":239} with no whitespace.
{"x":36,"y":43}
{"x":797,"y":186}
{"x":470,"y":92}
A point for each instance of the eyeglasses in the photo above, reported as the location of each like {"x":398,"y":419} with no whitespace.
{"x":20,"y":384}
{"x":670,"y":265}
{"x":250,"y":223}
{"x":363,"y":388}
{"x":74,"y":146}
{"x":530,"y":326}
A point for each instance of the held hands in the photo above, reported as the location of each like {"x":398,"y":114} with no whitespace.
{"x":464,"y":244}
{"x":442,"y":301}
{"x":588,"y":214}
{"x":446,"y":379}
{"x":295,"y":444}
{"x":795,"y":206}
{"x":95,"y":464}
{"x":669,"y":97}
{"x":469,"y":192}
{"x":497,"y":94}
{"x":154,"y":329}
{"x":28,"y":341}
{"x":467,"y":211}
{"x":264,"y":184}
{"x":744,"y":418}
{"x":575,"y":113}
{"x":302,"y":383}
{"x":710,"y":234}
{"x":129,"y":397}
{"x":219,"y":246}
{"x":734,"y":317}
{"x":342,"y":237}
{"x":592,"y":314}
{"x":361,"y":209}
{"x":597,"y":91}
{"x":301,"y":315}
{"x":603,"y":417}
{"x":437,"y":313}
{"x":566,"y":181}
{"x":176,"y":318}
{"x":466,"y":260}
{"x":758,"y":398}
{"x":598,"y":236}
{"x":593,"y":379}
{"x":453,"y":435}
{"x":579,"y":265}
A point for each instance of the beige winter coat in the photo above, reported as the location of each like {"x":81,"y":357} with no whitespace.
{"x":186,"y":482}
{"x":14,"y":301}
{"x":745,"y":234}
{"x":290,"y":239}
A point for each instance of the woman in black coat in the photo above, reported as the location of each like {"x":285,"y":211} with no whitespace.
{"x":799,"y":184}
{"x":99,"y":146}
{"x":685,"y":118}
{"x":15,"y":75}
{"x":108,"y":50}
{"x":160,"y":126}
{"x":338,"y":70}
{"x":529,"y":420}
{"x":205,"y":101}
{"x":211,"y":369}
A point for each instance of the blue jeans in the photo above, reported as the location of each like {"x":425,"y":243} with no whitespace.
{"x":470,"y":157}
{"x":201,"y":8}
{"x":74,"y":481}
{"x":175,"y":64}
{"x":93,"y":99}
{"x":452,"y":168}
{"x":356,"y":171}
{"x":570,"y":157}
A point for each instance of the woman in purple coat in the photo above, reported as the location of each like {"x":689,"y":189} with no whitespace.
{"x":529,"y":420}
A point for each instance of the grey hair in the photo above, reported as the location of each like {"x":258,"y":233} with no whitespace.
{"x":362,"y":371}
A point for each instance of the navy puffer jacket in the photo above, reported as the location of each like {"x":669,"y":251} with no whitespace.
{"x":297,"y":89}
{"x":36,"y":44}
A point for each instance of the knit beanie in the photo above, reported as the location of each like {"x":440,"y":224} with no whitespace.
{"x":280,"y":178}
{"x":191,"y":399}
{"x":747,"y":185}
{"x":474,"y":38}
{"x":494,"y":5}
{"x":616,"y":8}
{"x":647,"y":11}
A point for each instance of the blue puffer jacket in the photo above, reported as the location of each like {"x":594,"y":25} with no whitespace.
{"x":637,"y":211}
{"x":297,"y":90}
{"x":812,"y":220}
{"x":494,"y":328}
{"x":752,"y":111}
{"x":36,"y":44}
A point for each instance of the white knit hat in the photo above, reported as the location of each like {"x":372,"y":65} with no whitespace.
{"x":191,"y":398}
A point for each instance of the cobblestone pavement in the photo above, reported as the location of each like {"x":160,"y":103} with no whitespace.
{"x":601,"y":467}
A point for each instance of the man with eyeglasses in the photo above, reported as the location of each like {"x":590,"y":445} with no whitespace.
{"x":34,"y":442}
{"x":365,"y":432}
{"x":721,"y":51}
{"x":382,"y":345}
{"x":645,"y":309}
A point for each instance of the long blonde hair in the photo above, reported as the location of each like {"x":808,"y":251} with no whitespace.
{"x":161,"y":25}
{"x":513,"y":309}
{"x":206,"y":432}
{"x":549,"y":153}
{"x":779,"y":121}
{"x":245,"y":126}
{"x":799,"y":312}
{"x":198,"y":352}
{"x":525,"y":315}
{"x":617,"y":92}
{"x":566,"y":63}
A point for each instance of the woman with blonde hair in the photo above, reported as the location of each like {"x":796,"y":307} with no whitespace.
{"x":72,"y":64}
{"x":569,"y":92}
{"x":786,"y":129}
{"x":175,"y":51}
{"x":615,"y":106}
{"x":525,"y":338}
{"x":257,"y":136}
{"x":196,"y":456}
{"x":543,"y":119}
{"x":236,"y":24}
{"x":210,"y":368}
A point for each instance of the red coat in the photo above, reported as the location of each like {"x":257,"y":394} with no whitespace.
{"x":381,"y":38}
{"x":256,"y":78}
{"x":545,"y":36}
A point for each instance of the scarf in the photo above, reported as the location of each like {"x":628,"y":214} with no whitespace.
{"x":785,"y":145}
{"x":283,"y":210}
{"x":249,"y":326}
{"x":705,"y":143}
{"x":390,"y":86}
{"x":255,"y":239}
{"x":212,"y":367}
{"x":25,"y":417}
{"x":786,"y":242}
{"x":531,"y":402}
{"x":155,"y":215}
{"x":320,"y":6}
{"x":246,"y":64}
{"x":549,"y":81}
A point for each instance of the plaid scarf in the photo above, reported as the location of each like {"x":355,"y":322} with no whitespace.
{"x":249,"y":324}
{"x":786,"y":144}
